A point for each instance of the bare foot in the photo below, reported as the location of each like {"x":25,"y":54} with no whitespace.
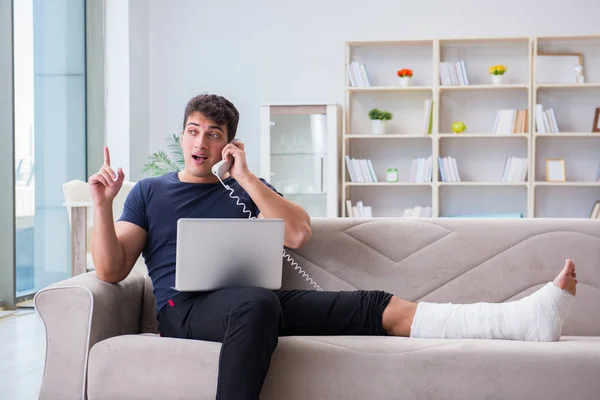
{"x":566,"y":279}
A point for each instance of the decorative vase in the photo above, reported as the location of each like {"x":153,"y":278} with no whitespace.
{"x":497,"y":79}
{"x":404,"y":80}
{"x":378,"y":126}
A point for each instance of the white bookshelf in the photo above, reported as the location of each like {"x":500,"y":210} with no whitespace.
{"x":480,"y":154}
{"x":574,"y":105}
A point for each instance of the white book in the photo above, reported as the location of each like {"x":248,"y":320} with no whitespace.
{"x":464,"y":71}
{"x":459,"y":75}
{"x":357,"y":74}
{"x":349,"y":208}
{"x":364,"y":75}
{"x":505,"y":121}
{"x":553,"y":120}
{"x":427,"y":115}
{"x":495,"y":127}
{"x":351,"y":80}
{"x":547,"y":124}
{"x":448,"y":168}
{"x":429,"y":169}
{"x":364,"y":170}
{"x":360,"y":206}
{"x":442,"y":169}
{"x":368,"y":211}
{"x":372,"y":170}
{"x":539,"y":119}
{"x":505,"y":171}
{"x":350,"y":166}
{"x":456,"y":173}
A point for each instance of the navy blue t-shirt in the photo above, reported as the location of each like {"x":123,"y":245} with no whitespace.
{"x":155,"y":204}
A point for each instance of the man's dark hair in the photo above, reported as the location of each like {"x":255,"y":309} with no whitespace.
{"x":217,"y":108}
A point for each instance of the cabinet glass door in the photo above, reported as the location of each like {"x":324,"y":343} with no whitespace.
{"x":299,"y":158}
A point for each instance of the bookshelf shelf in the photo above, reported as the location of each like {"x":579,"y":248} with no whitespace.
{"x":484,"y":87}
{"x":568,"y":135}
{"x":481,"y":154}
{"x":483,"y":135}
{"x":390,"y":89}
{"x":569,"y":184}
{"x":390,"y":184}
{"x":482,"y":184}
{"x":387,"y":136}
{"x":566,"y":85}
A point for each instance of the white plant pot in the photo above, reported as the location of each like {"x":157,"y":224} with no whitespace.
{"x":378,"y":126}
{"x":404,"y":81}
{"x":497,"y":79}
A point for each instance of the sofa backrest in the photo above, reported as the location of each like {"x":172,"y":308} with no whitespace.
{"x":455,"y":260}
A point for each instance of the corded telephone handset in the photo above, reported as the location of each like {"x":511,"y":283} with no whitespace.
{"x":219,"y":170}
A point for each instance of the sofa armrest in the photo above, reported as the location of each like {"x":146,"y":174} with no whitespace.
{"x":77,"y":313}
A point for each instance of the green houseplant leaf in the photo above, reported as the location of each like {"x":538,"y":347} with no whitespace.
{"x":159,"y":162}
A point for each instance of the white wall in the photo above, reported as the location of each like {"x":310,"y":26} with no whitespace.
{"x":126,"y":77}
{"x":272,"y":51}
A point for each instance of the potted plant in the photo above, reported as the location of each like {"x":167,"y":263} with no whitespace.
{"x":159,"y":163}
{"x":378,"y":120}
{"x":497,"y":72}
{"x":405,"y":76}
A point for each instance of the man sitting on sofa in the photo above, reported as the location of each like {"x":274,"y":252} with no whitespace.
{"x":249,"y":320}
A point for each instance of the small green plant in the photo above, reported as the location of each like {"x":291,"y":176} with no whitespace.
{"x":159,"y":163}
{"x":376,"y":113}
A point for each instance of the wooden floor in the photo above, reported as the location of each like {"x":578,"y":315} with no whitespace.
{"x":22,"y":352}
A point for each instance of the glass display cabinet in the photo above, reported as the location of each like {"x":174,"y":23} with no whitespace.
{"x":300,"y":154}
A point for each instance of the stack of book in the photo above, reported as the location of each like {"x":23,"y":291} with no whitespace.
{"x":359,"y":210}
{"x":417,"y":212}
{"x":511,"y":121}
{"x":515,"y":170}
{"x":545,"y":121}
{"x":454,"y":73}
{"x":448,"y":169}
{"x":357,"y":75}
{"x":360,"y":170}
{"x":421,"y":170}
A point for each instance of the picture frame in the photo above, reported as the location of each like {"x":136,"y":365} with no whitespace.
{"x":555,"y":170}
{"x":557,"y":67}
{"x":596,"y":126}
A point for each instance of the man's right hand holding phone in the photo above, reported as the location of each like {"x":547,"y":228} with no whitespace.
{"x":105,"y":184}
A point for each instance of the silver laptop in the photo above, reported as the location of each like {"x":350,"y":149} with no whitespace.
{"x":218,"y":253}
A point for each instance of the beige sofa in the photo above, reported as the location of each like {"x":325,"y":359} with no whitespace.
{"x":102,"y":342}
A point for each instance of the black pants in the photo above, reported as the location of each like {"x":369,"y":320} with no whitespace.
{"x":249,"y":320}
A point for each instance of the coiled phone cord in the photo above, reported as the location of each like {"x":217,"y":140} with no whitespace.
{"x":285,"y":254}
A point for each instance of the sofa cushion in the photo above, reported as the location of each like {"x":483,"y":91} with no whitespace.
{"x":343,"y":367}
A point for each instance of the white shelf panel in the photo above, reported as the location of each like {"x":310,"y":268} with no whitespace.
{"x":361,"y":184}
{"x":521,"y":39}
{"x":567,"y":85}
{"x":568,"y":135}
{"x":390,"y":89}
{"x":568,"y":184}
{"x":483,"y":135}
{"x":484,"y":87}
{"x":474,"y":183}
{"x":388,"y":136}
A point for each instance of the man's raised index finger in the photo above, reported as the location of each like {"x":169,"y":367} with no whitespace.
{"x":106,"y":156}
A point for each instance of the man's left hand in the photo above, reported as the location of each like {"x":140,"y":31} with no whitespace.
{"x":234,"y":151}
